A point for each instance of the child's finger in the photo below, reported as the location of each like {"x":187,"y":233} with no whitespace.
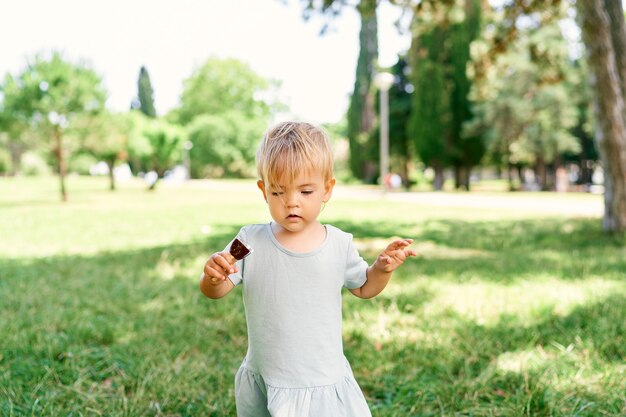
{"x":224,"y":263}
{"x":399,"y":244}
{"x":213,"y":274}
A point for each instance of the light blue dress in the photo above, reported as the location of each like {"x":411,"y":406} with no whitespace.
{"x":295,"y":366}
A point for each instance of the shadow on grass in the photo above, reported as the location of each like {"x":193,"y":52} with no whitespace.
{"x":561,"y":366}
{"x":458,"y":374}
{"x":128,"y":333}
{"x":122,"y":333}
{"x":565,"y":365}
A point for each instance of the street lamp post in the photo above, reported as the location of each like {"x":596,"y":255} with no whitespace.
{"x":384,"y":81}
{"x":187,"y":145}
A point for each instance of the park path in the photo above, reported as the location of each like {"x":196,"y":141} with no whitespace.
{"x":571,"y":204}
{"x":546,"y":203}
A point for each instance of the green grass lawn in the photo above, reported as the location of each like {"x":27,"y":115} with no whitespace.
{"x":514,"y":307}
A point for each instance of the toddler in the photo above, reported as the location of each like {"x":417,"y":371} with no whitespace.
{"x":292,"y":283}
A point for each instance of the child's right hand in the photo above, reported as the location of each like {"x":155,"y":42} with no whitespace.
{"x":219,"y":266}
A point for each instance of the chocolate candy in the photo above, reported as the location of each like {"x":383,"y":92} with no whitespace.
{"x":239,"y":250}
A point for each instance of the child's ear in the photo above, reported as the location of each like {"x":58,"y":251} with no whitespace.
{"x":261,"y":186}
{"x":328,"y":188}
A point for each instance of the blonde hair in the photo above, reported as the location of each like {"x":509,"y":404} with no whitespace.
{"x":290,"y":148}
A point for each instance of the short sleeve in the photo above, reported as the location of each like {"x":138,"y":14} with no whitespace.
{"x":237,"y":277}
{"x":356,"y":268}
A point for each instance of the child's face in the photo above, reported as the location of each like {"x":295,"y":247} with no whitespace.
{"x":295,"y":207}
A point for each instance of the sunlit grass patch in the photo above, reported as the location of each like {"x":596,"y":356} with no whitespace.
{"x":528,"y":301}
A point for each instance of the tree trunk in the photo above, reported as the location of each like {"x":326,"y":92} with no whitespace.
{"x":605,"y":80}
{"x":111,"y":165}
{"x":618,"y":38}
{"x":16,"y":151}
{"x":58,"y":153}
{"x":406,"y":169}
{"x":541,"y":173}
{"x":509,"y":176}
{"x":461,"y":177}
{"x":466,"y":178}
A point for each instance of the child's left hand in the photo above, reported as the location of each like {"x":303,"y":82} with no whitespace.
{"x":394,"y":255}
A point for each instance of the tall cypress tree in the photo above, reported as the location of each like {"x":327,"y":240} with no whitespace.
{"x":440,"y":106}
{"x":430,"y":114}
{"x":361,"y":115}
{"x":145,"y":94}
{"x":361,"y":111}
{"x":467,"y":151}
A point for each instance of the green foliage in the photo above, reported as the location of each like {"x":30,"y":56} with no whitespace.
{"x":507,"y":312}
{"x":51,"y":87}
{"x":528,"y":103}
{"x":467,"y":150}
{"x":399,"y":111}
{"x":164,"y":142}
{"x":80,"y":163}
{"x":224,"y":145}
{"x":154,"y":144}
{"x":440,"y":55}
{"x":5,"y":162}
{"x":145,"y":94}
{"x":220,"y":86}
{"x":106,"y":135}
{"x":226,"y":108}
{"x":45,"y":99}
{"x":430,"y":106}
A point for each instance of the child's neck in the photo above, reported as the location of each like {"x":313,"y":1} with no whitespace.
{"x":301,"y":242}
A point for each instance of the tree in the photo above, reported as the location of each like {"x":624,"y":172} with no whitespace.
{"x":526,"y":105}
{"x":106,"y":136}
{"x":587,"y":159}
{"x":158,"y":146}
{"x":224,"y":145}
{"x":430,"y":114}
{"x":602,"y":24}
{"x":439,"y":54}
{"x":220,"y":86}
{"x":468,"y":150}
{"x":145,"y":94}
{"x":361,"y":115}
{"x":48,"y":95}
{"x":15,"y":136}
{"x":225,"y":107}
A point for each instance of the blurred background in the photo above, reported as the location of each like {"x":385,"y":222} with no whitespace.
{"x":480,"y":90}
{"x":490,"y":131}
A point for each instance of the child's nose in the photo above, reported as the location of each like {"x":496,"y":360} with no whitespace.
{"x":292,"y":200}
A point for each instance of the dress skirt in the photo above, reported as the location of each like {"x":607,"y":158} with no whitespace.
{"x":256,"y":398}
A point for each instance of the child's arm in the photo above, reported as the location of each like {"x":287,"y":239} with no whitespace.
{"x":379,"y":273}
{"x":214,"y":282}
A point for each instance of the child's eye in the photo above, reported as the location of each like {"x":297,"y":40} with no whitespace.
{"x":276,"y":193}
{"x":307,"y":192}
